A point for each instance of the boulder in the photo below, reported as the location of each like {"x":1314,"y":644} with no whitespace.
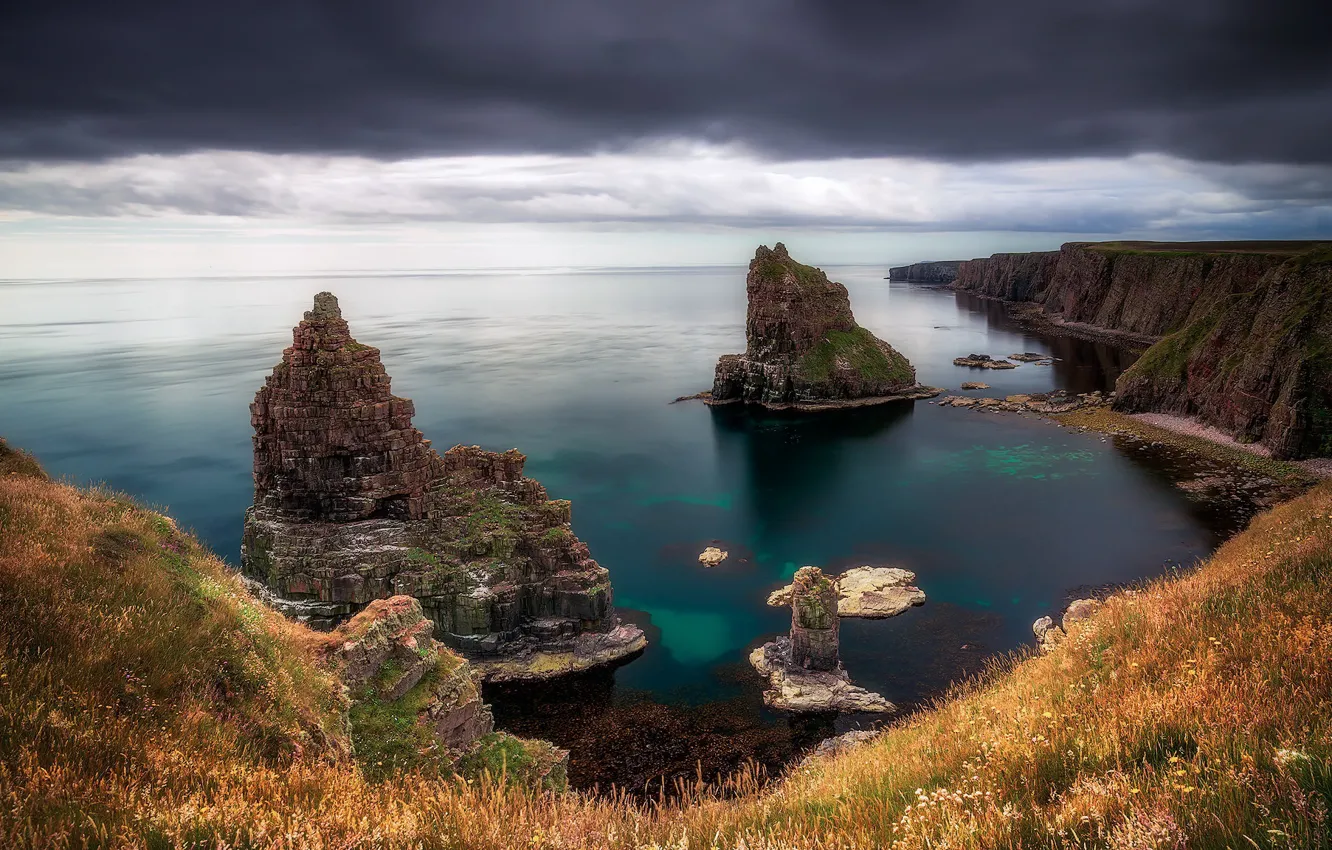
{"x":803,"y":691}
{"x":712,"y":556}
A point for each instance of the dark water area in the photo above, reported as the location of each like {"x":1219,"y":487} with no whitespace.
{"x":145,"y":385}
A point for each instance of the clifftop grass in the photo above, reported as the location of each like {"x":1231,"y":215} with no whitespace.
{"x":146,"y":700}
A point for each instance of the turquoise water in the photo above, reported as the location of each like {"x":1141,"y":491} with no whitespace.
{"x":145,"y":385}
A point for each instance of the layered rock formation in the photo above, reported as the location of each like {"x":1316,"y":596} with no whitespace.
{"x":1239,"y":333}
{"x":387,"y":651}
{"x":352,"y":505}
{"x":804,"y":670}
{"x":410,"y":695}
{"x":803,"y":346}
{"x":871,"y":593}
{"x":939,"y":271}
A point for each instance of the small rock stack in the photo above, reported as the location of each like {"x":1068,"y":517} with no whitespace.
{"x":814,"y":640}
{"x":803,"y":348}
{"x":804,"y":670}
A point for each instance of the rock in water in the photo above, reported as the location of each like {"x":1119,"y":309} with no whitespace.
{"x":712,"y":556}
{"x":803,"y":346}
{"x":352,"y":504}
{"x":871,"y":593}
{"x":804,"y":670}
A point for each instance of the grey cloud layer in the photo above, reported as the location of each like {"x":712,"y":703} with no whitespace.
{"x":692,"y":184}
{"x":1217,"y":80}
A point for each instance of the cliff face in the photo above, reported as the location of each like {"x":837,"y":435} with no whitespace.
{"x":803,"y":346}
{"x":352,"y":505}
{"x":939,"y":271}
{"x":1241,"y":337}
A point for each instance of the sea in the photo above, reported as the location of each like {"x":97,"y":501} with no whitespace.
{"x":144,"y":385}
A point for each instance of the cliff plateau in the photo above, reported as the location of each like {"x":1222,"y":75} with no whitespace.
{"x":352,"y":505}
{"x":803,"y":346}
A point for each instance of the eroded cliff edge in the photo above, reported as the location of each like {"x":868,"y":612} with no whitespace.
{"x":803,"y":346}
{"x":352,"y":504}
{"x":1239,"y":334}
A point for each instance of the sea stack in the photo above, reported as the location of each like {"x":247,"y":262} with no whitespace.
{"x":804,"y":670}
{"x":351,"y":504}
{"x":803,"y":346}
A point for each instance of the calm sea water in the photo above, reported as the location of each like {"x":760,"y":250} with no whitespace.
{"x":145,"y":385}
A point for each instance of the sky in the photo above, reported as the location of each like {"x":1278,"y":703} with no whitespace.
{"x":151,"y":138}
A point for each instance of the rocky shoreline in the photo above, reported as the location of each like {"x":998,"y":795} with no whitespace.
{"x":1234,"y":332}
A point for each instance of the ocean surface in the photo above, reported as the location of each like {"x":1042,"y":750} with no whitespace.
{"x":145,"y":385}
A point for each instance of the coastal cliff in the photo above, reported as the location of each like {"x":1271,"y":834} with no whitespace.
{"x":352,"y":505}
{"x":938,"y":271}
{"x":1238,"y":335}
{"x":803,"y":346}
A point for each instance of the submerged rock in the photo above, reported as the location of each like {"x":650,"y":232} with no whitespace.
{"x":353,"y":505}
{"x":804,"y":348}
{"x":1031,"y":357}
{"x":712,"y":556}
{"x":804,"y":670}
{"x":1057,"y":401}
{"x":867,"y":592}
{"x":982,"y":361}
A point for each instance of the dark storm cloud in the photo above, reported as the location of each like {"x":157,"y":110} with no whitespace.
{"x":1214,"y":80}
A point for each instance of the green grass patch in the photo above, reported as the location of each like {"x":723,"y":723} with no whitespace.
{"x":520,"y":762}
{"x":861,"y":351}
{"x":387,"y":735}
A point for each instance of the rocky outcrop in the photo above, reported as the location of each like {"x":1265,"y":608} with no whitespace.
{"x":803,"y":346}
{"x":1045,"y":404}
{"x":415,"y":703}
{"x":870,"y":593}
{"x":353,"y":505}
{"x":804,"y":670}
{"x":1049,"y":634}
{"x":387,"y":650}
{"x":982,"y":361}
{"x":1239,"y":333}
{"x":939,"y":271}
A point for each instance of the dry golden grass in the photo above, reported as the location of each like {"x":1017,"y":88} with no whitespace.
{"x":146,"y":700}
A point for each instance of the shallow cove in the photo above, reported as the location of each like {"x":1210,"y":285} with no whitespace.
{"x":146,"y":384}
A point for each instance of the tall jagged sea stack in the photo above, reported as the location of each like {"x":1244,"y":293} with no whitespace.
{"x":352,"y":504}
{"x":803,"y":346}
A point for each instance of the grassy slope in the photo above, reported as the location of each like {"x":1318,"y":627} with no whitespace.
{"x":145,"y":700}
{"x":861,"y":351}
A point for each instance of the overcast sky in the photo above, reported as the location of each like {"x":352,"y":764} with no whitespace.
{"x":143,"y":138}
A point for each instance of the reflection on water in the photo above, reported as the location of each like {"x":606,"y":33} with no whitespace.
{"x":146,"y":384}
